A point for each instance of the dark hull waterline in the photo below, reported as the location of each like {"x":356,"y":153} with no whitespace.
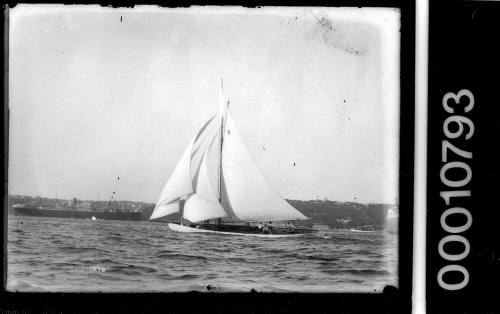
{"x":239,"y":230}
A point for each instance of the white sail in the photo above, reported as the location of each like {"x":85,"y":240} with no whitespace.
{"x":249,"y":195}
{"x":203,"y":140}
{"x":165,"y":209}
{"x":204,"y":204}
{"x":197,"y":209}
{"x":180,"y":182}
{"x":203,"y":186}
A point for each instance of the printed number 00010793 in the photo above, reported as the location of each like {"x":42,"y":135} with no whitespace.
{"x":462,"y":123}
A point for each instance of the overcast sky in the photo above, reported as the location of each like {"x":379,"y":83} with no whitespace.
{"x":97,"y":93}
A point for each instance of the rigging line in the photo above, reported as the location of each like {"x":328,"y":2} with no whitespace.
{"x":203,"y":141}
{"x":204,"y":127}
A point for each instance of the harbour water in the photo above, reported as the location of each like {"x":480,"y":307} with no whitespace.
{"x":60,"y":254}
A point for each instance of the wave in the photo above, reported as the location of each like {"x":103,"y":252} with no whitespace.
{"x":21,"y":285}
{"x":58,"y":265}
{"x":100,"y":261}
{"x":367,"y":272}
{"x":80,"y":249}
{"x":187,"y":276}
{"x":309,"y":256}
{"x":325,"y":258}
{"x":182,"y":256}
{"x":130,"y":269}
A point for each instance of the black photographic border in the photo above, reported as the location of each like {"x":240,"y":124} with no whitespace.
{"x":391,"y":300}
{"x":461,"y":57}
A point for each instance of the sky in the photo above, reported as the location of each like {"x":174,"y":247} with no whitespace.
{"x":100,"y":93}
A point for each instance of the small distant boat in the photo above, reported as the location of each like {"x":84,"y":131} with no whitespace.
{"x":217,"y":181}
{"x":366,"y":228}
{"x":321,"y":227}
{"x":391,"y":225}
{"x":93,"y":218}
{"x":363,"y":231}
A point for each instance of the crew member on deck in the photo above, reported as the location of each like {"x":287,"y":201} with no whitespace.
{"x":266,"y":229}
{"x":260,"y":226}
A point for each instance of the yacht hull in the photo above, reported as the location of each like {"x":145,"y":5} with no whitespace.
{"x":182,"y":228}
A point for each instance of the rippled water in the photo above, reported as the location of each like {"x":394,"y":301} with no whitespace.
{"x":59,"y":254}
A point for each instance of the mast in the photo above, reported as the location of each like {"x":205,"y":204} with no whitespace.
{"x":223,"y":113}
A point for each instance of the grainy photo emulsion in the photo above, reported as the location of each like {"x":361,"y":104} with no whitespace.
{"x":204,"y":148}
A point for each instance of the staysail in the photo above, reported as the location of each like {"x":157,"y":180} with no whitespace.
{"x":203,"y":205}
{"x":180,"y":182}
{"x":197,"y":209}
{"x":163,"y":210}
{"x":204,"y":138}
{"x":203,"y":186}
{"x":250,"y":196}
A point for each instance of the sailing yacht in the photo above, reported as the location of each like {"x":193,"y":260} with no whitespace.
{"x":216,"y":186}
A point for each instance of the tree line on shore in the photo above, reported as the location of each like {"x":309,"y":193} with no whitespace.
{"x":321,"y":212}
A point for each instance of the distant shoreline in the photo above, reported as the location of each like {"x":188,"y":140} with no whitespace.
{"x":334,"y":214}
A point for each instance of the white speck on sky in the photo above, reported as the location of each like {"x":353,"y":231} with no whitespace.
{"x":96,"y":93}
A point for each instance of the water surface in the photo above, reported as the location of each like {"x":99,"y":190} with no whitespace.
{"x":63,"y":254}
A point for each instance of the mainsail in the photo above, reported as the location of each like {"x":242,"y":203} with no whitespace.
{"x":249,"y":194}
{"x":241,"y":193}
